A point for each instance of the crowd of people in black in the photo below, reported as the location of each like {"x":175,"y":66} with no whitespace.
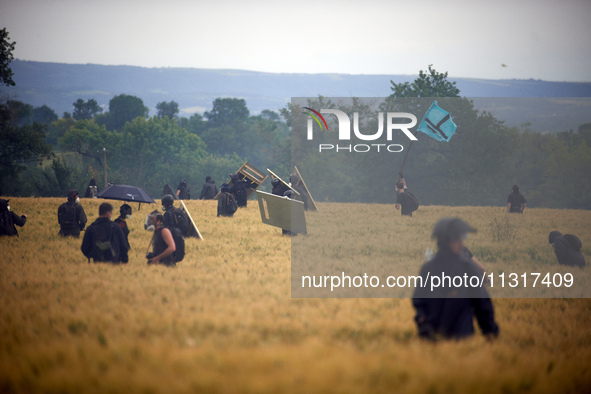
{"x":447,"y":314}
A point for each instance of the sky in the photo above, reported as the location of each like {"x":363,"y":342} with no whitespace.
{"x":516,"y":39}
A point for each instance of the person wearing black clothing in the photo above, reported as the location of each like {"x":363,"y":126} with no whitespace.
{"x":278,"y":187}
{"x":447,"y":311}
{"x":9,"y":219}
{"x":567,"y":248}
{"x":172,"y":218}
{"x":124,"y":213}
{"x":103,"y":240}
{"x":226,"y":202}
{"x":515,"y":201}
{"x":71,"y":216}
{"x":163,"y":245}
{"x":209,"y":190}
{"x":238,"y":189}
{"x":183,"y":192}
{"x":168,"y":207}
{"x":402,"y":199}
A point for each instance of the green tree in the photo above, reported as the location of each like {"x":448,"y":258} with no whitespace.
{"x":194,"y":125}
{"x":122,"y":109}
{"x":19,"y":145}
{"x":58,"y":128}
{"x":20,"y":113}
{"x":227,"y":111}
{"x":88,"y":139}
{"x":170,"y":109}
{"x":86,"y":109}
{"x":153,"y":152}
{"x":6,"y":57}
{"x":431,"y":84}
{"x":44,"y":114}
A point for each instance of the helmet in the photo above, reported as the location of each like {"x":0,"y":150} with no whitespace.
{"x":167,"y":200}
{"x":275,"y":182}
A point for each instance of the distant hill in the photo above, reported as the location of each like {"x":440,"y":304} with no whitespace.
{"x":59,"y":85}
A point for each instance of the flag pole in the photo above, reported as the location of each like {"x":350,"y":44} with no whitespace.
{"x":404,"y":161}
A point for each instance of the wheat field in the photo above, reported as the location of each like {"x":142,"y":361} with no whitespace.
{"x":224,"y":321}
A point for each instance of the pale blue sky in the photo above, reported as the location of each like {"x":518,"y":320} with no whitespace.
{"x":540,"y":39}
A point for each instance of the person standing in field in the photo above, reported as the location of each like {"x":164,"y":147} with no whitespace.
{"x":238,"y":189}
{"x":9,"y":219}
{"x":406,"y":202}
{"x":103,"y":240}
{"x":515,"y":201}
{"x":448,"y":311}
{"x":71,"y":216}
{"x":227,"y":204}
{"x":567,"y":248}
{"x":209,"y":190}
{"x":183,"y":192}
{"x":163,"y":243}
{"x":124,"y":213}
{"x":174,"y":217}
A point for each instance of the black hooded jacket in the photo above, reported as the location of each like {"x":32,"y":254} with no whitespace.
{"x":9,"y":219}
{"x":567,"y":248}
{"x":448,"y":311}
{"x":209,"y":190}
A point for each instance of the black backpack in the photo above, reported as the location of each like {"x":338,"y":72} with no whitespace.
{"x":179,"y":242}
{"x":231,"y":204}
{"x":68,"y":215}
{"x":104,"y":247}
{"x":6,"y":224}
{"x":573,"y":241}
{"x":413,"y":202}
{"x":181,"y":220}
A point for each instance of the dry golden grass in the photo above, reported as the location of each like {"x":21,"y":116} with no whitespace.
{"x":223,"y":321}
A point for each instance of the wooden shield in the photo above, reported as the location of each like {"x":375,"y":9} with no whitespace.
{"x":252,"y":175}
{"x":282,"y":212}
{"x":193,"y":231}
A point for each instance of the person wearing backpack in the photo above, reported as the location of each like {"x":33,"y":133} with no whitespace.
{"x":168,"y":245}
{"x":183,"y":192}
{"x":567,"y":248}
{"x":103,"y":240}
{"x":406,"y":202}
{"x":174,"y":217}
{"x":238,"y":189}
{"x":9,"y":219}
{"x":227,"y":204}
{"x":71,"y":216}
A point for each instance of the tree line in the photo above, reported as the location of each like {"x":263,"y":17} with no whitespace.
{"x":44,"y":155}
{"x":477,"y":167}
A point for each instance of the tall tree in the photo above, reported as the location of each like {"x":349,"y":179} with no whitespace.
{"x":18,"y":145}
{"x":87,"y":139}
{"x":167,"y":109}
{"x":122,"y":109}
{"x":6,"y":57}
{"x":431,"y":84}
{"x":44,"y":115}
{"x":227,"y":111}
{"x":86,"y":110}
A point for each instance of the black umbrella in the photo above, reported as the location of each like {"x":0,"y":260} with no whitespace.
{"x":126,"y":193}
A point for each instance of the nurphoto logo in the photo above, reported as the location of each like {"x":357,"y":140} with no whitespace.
{"x":344,"y":131}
